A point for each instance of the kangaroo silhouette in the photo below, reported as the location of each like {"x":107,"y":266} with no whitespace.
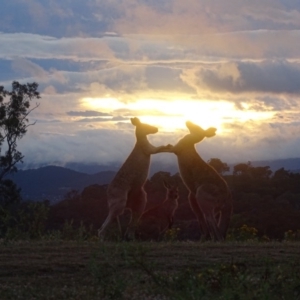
{"x":126,"y":189}
{"x":157,"y":220}
{"x":209,"y":195}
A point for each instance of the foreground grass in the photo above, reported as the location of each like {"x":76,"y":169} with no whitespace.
{"x":135,"y":270}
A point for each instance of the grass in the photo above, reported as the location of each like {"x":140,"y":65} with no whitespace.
{"x":149,"y":270}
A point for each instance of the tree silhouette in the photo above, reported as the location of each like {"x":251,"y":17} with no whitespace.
{"x":218,"y":165}
{"x":242,"y":168}
{"x":14,"y":110}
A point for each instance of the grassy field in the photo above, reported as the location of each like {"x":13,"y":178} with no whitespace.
{"x":136,"y":270}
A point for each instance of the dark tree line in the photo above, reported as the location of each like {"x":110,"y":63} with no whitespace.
{"x":267,"y":201}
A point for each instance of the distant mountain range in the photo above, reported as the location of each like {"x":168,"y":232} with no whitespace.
{"x":53,"y":182}
{"x":291,"y":164}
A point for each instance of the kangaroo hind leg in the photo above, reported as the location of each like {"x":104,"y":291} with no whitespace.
{"x":136,"y":202}
{"x":115,"y":210}
{"x":226,"y":212}
{"x":200,"y":217}
{"x":208,"y":202}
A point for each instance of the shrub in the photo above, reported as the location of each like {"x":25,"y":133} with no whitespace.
{"x":24,"y":220}
{"x":243,"y":233}
{"x":291,"y":235}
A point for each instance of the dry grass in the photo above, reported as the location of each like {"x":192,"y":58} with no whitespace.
{"x":93,"y":270}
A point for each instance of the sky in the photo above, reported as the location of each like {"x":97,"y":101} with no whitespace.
{"x":233,"y":65}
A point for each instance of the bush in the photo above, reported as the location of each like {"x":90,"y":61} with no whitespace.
{"x":24,"y":220}
{"x":243,"y":233}
{"x":291,"y":235}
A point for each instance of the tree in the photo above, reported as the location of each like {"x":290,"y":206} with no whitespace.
{"x":9,"y":193}
{"x":261,"y":172}
{"x":14,"y":111}
{"x":242,"y":168}
{"x":218,"y":165}
{"x":281,"y":174}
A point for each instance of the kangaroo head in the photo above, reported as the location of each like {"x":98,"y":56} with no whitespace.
{"x":143,"y":129}
{"x":172,"y":191}
{"x":197,"y":134}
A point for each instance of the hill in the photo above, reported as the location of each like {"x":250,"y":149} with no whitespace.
{"x":53,"y":182}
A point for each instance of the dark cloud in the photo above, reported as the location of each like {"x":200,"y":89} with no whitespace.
{"x":94,"y":18}
{"x":88,"y":113}
{"x":68,"y":65}
{"x":266,"y":77}
{"x":59,"y":19}
{"x":278,"y":103}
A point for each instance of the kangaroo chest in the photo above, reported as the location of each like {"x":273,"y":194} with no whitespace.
{"x":134,"y":171}
{"x":194,"y":172}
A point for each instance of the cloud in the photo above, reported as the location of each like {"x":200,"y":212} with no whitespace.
{"x":28,"y":68}
{"x":88,"y":113}
{"x":94,"y":120}
{"x":33,"y":46}
{"x":234,"y":51}
{"x":51,"y":17}
{"x":243,"y":77}
{"x":275,"y":102}
{"x":72,"y":18}
{"x":254,"y":141}
{"x":114,"y":119}
{"x":104,"y":146}
{"x":168,"y":79}
{"x":49,"y":90}
{"x":193,"y":17}
{"x":141,"y":50}
{"x":62,"y":142}
{"x":119,"y":118}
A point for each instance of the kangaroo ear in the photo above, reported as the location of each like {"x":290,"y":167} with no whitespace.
{"x":210,"y":132}
{"x":191,"y":126}
{"x":135,"y":121}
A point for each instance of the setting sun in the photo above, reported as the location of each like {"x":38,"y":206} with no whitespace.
{"x":171,"y":115}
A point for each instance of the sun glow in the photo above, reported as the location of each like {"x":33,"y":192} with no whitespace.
{"x":171,"y":115}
